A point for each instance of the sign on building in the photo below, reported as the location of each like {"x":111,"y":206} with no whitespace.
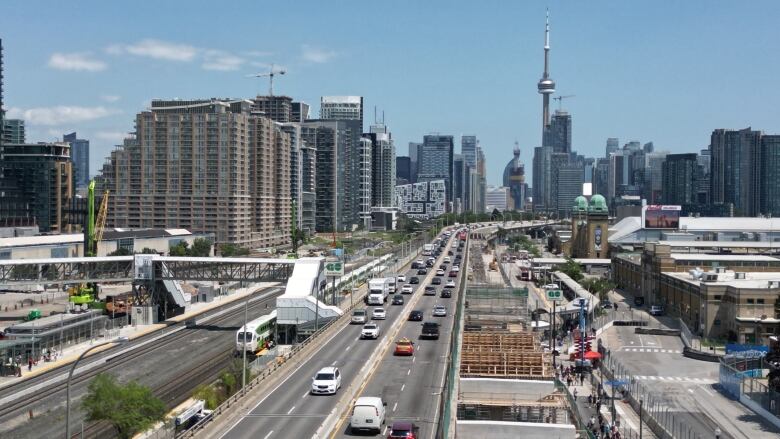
{"x":334,"y":269}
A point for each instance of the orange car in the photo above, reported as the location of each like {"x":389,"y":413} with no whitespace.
{"x":404,"y":346}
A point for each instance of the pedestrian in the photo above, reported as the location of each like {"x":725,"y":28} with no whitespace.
{"x":29,"y":364}
{"x":575,"y":394}
{"x":590,"y":400}
{"x":582,"y":378}
{"x":598,"y":406}
{"x":615,"y":305}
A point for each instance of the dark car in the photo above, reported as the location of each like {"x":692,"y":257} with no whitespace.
{"x":430,"y":330}
{"x":446,"y":294}
{"x":422,"y":271}
{"x":436,"y":281}
{"x":430,"y":290}
{"x":453,"y":274}
{"x":443,"y":266}
{"x":403,"y":430}
{"x":450,"y":253}
{"x":416,"y":315}
{"x":639,"y":300}
{"x":414,"y":280}
{"x":429,"y":263}
{"x":460,"y":249}
{"x":415,"y":265}
{"x":398,"y":299}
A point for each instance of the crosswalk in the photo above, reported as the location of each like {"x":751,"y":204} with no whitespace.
{"x":651,"y":350}
{"x":675,"y":379}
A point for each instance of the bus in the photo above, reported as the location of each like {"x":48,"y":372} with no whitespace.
{"x":257,"y":334}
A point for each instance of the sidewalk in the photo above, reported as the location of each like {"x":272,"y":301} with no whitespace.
{"x":71,"y":353}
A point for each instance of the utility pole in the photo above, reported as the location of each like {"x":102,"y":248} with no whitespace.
{"x":243,"y":369}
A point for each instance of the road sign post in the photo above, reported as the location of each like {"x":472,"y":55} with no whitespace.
{"x":555,"y":295}
{"x":334,"y":269}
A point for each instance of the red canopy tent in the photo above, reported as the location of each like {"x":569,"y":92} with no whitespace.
{"x":592,"y":355}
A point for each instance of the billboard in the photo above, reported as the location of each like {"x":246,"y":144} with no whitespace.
{"x":661,"y":217}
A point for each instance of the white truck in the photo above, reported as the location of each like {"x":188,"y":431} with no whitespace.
{"x":378,"y":290}
{"x":428,"y":249}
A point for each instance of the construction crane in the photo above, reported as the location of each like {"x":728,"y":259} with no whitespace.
{"x":270,"y":74}
{"x":86,"y":294}
{"x":561,"y":98}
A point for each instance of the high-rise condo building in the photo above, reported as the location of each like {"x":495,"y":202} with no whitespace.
{"x":458,"y":184}
{"x":735,"y":169}
{"x":613,"y":144}
{"x":435,"y":161}
{"x":770,"y":175}
{"x":13,"y":131}
{"x":403,"y":170}
{"x":36,"y":185}
{"x":209,"y":166}
{"x":342,"y":108}
{"x":468,"y":148}
{"x":558,"y":134}
{"x":679,"y":179}
{"x":383,"y":171}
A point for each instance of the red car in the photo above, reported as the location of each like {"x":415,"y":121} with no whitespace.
{"x":453,"y":274}
{"x":404,"y":346}
{"x":403,"y":430}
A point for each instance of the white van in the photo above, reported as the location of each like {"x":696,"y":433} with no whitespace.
{"x":368,"y":414}
{"x":359,"y":316}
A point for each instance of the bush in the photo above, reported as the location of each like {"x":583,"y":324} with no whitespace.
{"x":130,"y":408}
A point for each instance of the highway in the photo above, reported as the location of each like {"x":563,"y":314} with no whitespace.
{"x":197,"y":353}
{"x":289,"y":410}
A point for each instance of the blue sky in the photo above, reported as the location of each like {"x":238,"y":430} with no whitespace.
{"x":669,"y":71}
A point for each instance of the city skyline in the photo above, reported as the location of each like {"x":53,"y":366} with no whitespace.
{"x":95,"y":80}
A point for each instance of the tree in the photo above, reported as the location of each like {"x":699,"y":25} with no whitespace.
{"x":179,"y":249}
{"x":208,"y":395}
{"x":572,"y":269}
{"x":130,"y":408}
{"x":598,"y":287}
{"x":201,"y":247}
{"x":228,"y":250}
{"x":148,"y":251}
{"x":121,"y":251}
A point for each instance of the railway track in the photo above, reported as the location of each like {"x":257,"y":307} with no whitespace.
{"x":172,"y":392}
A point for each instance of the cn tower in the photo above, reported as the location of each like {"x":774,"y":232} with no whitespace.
{"x":546,"y":85}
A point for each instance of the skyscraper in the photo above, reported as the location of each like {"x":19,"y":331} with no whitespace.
{"x":403,"y":170}
{"x":383,"y":172}
{"x":435,"y":161}
{"x":558,"y":134}
{"x":735,"y":169}
{"x":277,"y":108}
{"x":679,"y":179}
{"x":299,"y":112}
{"x":79,"y":152}
{"x":770,"y":175}
{"x":613,"y":144}
{"x":481,"y":180}
{"x":414,"y":154}
{"x":546,"y":85}
{"x":2,"y":108}
{"x":468,"y":148}
{"x":458,"y":184}
{"x":342,"y":108}
{"x":13,"y":131}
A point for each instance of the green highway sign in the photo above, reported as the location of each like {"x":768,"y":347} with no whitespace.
{"x":334,"y":269}
{"x":555,"y":295}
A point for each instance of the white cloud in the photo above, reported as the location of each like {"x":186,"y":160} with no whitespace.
{"x":156,"y":49}
{"x":59,"y":115}
{"x":316,"y":55}
{"x":110,"y":98}
{"x":222,"y":61}
{"x":76,"y":61}
{"x":257,"y":53}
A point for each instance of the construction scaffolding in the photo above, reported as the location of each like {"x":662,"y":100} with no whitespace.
{"x":549,"y":409}
{"x":504,"y":355}
{"x":495,"y":307}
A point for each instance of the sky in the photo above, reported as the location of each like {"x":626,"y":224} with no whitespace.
{"x":668,"y":72}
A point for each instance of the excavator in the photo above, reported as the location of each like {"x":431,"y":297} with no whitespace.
{"x":87,"y":293}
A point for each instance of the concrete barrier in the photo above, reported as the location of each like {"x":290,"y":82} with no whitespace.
{"x":700,"y":355}
{"x":629,"y":323}
{"x":657,"y":331}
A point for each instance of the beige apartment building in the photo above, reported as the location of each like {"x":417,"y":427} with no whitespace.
{"x":208,"y":166}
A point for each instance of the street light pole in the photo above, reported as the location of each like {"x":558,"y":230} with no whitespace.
{"x":614,"y":379}
{"x":640,"y":417}
{"x":243,"y":369}
{"x":70,"y":375}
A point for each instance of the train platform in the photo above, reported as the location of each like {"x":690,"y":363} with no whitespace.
{"x":69,"y":354}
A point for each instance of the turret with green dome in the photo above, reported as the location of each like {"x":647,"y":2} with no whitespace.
{"x":580,"y":205}
{"x":598,"y":204}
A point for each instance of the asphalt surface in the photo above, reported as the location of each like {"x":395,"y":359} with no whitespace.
{"x":686,"y":388}
{"x":290,"y":411}
{"x":45,"y":417}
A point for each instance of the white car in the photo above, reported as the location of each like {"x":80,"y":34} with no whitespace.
{"x":401,"y":278}
{"x":439,"y":311}
{"x":378,"y":314}
{"x":407,"y":289}
{"x":439,"y":272}
{"x":447,"y":260}
{"x":450,"y":284}
{"x":456,"y":268}
{"x":370,"y":330}
{"x":326,"y":382}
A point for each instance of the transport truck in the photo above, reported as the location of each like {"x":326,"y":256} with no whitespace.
{"x":378,"y":290}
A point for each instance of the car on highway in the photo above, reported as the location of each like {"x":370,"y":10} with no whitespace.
{"x":422,"y":272}
{"x":368,"y":414}
{"x":439,"y":311}
{"x":401,"y":278}
{"x":439,"y":272}
{"x":403,"y":430}
{"x":359,"y":316}
{"x":430,"y":330}
{"x":456,"y":268}
{"x":416,"y":316}
{"x":450,"y":284}
{"x":430,"y":290}
{"x":414,"y":280}
{"x":378,"y":314}
{"x":459,"y":250}
{"x":443,"y":267}
{"x":447,"y":259}
{"x":370,"y":330}
{"x":404,"y":346}
{"x":326,"y":382}
{"x":450,"y":253}
{"x":656,"y":310}
{"x":429,"y":263}
{"x":407,"y":289}
{"x":453,"y":274}
{"x":398,"y":300}
{"x":446,"y":294}
{"x":436,"y":281}
{"x":415,"y":265}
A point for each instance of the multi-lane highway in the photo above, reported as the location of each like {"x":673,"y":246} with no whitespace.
{"x":406,"y":384}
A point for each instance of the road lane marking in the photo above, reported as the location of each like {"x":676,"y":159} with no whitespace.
{"x":334,"y":363}
{"x":408,"y":372}
{"x":348,"y":347}
{"x":291,"y":409}
{"x":269,"y":434}
{"x":706,"y":390}
{"x":403,"y":386}
{"x":395,"y":406}
{"x":384,"y":432}
{"x":413,"y":358}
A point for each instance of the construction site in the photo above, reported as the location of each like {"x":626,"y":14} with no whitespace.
{"x":506,"y":381}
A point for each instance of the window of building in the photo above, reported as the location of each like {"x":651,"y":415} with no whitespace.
{"x":127,"y":244}
{"x":59,"y":252}
{"x":717,"y":297}
{"x":760,"y":301}
{"x":5,"y":254}
{"x":750,"y":301}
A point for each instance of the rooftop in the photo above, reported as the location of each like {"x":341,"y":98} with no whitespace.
{"x":719,"y":257}
{"x":75,"y":238}
{"x":754,"y":280}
